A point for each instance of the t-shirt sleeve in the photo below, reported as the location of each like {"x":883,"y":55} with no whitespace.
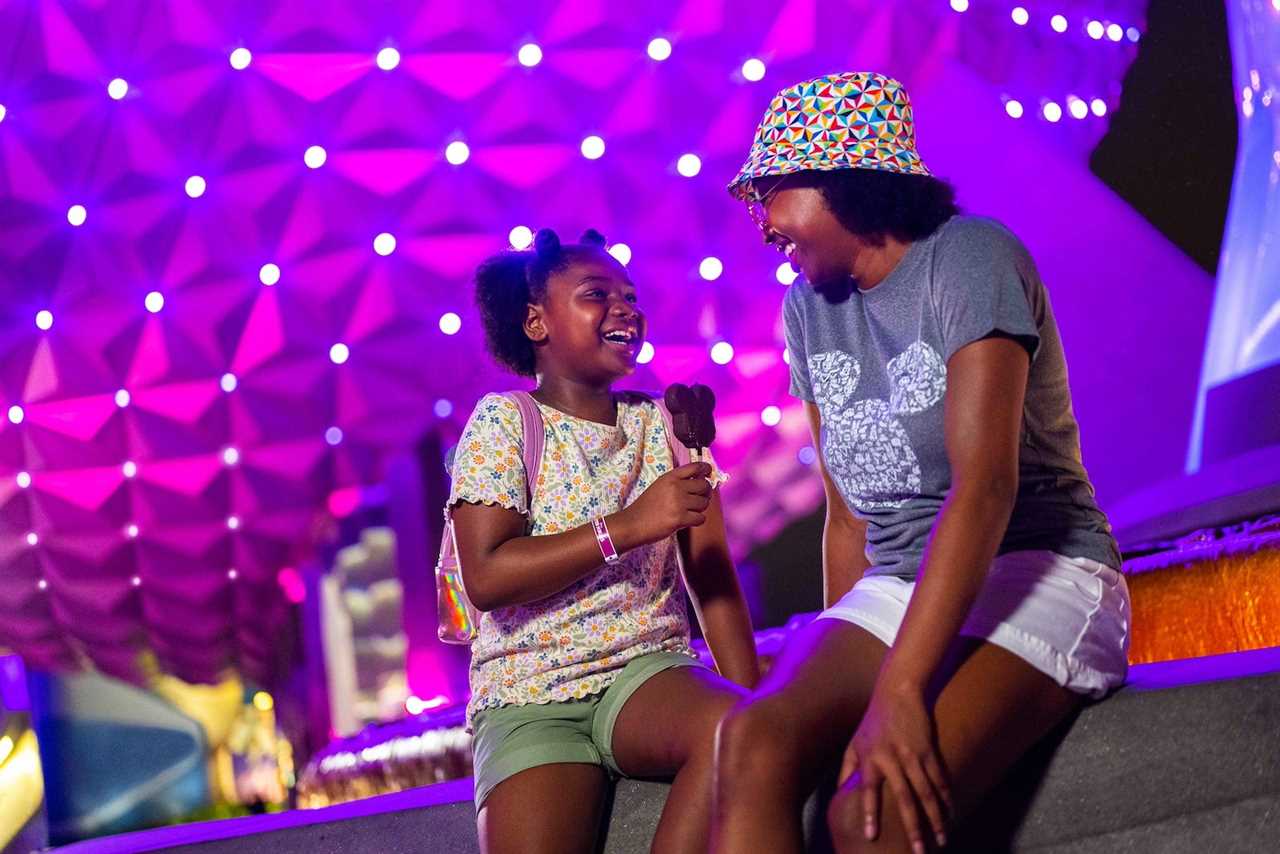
{"x":793,"y":329}
{"x":981,"y":280}
{"x":488,"y":465}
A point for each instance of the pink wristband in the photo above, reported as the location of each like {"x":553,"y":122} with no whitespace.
{"x":604,"y":540}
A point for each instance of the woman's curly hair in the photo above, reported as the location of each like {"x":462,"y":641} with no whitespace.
{"x":876,"y":204}
{"x":506,"y":283}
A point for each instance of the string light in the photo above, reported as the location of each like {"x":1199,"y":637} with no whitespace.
{"x":521,"y":237}
{"x":689,"y":165}
{"x":592,"y":148}
{"x":457,"y":152}
{"x":388,"y":58}
{"x":384,"y":244}
{"x":621,"y":252}
{"x":659,"y":49}
{"x":315,"y":156}
{"x":529,"y":55}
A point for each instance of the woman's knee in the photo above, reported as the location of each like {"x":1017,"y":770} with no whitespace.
{"x":846,"y":822}
{"x":754,"y":739}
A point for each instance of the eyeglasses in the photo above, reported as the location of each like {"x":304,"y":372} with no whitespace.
{"x":757,"y":201}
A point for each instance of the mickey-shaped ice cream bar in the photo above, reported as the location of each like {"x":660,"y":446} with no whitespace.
{"x":692,"y":416}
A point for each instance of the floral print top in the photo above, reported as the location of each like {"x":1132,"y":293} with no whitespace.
{"x":574,"y":643}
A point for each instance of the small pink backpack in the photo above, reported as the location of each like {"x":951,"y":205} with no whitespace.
{"x":459,"y":620}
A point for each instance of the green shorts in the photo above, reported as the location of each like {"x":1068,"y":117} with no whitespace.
{"x":511,"y":739}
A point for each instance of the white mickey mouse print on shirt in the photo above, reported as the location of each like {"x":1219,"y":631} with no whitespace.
{"x":866,"y":447}
{"x":917,"y":379}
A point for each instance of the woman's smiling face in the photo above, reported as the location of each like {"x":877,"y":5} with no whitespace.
{"x":798,"y":223}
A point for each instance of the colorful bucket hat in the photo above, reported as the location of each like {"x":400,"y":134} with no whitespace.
{"x":855,"y":120}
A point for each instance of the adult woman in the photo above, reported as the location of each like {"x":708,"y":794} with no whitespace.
{"x":972,"y":595}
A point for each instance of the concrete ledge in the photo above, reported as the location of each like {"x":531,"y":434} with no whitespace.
{"x":1185,"y":758}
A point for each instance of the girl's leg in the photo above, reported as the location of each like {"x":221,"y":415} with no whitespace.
{"x":549,"y":808}
{"x":667,"y":727}
{"x":775,"y":747}
{"x":991,"y":712}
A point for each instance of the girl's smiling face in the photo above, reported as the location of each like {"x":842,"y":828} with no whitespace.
{"x":588,"y":326}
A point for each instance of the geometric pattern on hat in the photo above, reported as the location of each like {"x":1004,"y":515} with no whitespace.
{"x":854,"y":120}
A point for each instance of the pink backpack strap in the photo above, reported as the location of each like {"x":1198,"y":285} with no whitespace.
{"x":534,"y":438}
{"x":679,"y":453}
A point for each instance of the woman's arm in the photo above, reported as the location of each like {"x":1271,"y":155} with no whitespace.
{"x":717,"y":597}
{"x":502,"y":567}
{"x":986,"y":383}
{"x":895,"y":741}
{"x":844,"y":536}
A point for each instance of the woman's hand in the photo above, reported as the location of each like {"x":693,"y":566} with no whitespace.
{"x":895,"y":744}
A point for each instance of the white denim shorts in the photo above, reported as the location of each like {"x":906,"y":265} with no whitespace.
{"x":1067,"y":617}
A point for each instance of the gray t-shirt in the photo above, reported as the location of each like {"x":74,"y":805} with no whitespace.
{"x":875,"y":364}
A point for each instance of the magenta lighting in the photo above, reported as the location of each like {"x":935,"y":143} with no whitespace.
{"x":239,"y":247}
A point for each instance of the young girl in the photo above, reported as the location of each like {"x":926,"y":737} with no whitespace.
{"x":582,"y":668}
